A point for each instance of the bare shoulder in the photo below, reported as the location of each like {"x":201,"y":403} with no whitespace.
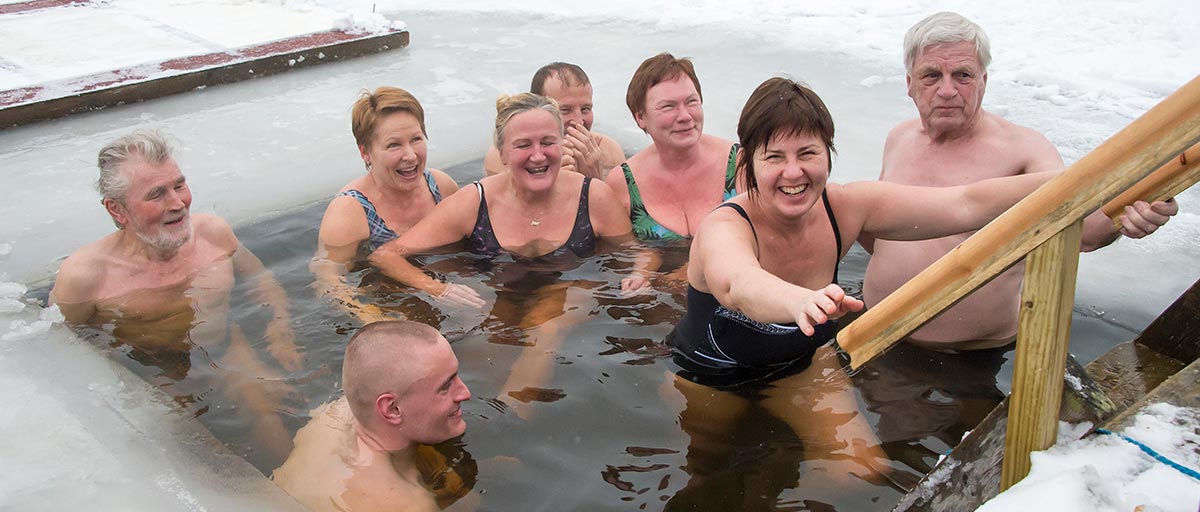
{"x":1036,"y":151}
{"x":215,"y":230}
{"x":81,"y":275}
{"x":718,"y":145}
{"x":491,"y":162}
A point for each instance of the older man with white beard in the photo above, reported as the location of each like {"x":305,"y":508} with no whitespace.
{"x":162,"y":282}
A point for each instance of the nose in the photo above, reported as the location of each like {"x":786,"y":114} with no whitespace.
{"x":945,"y":87}
{"x":407,"y":153}
{"x":461,"y":393}
{"x":175,"y":200}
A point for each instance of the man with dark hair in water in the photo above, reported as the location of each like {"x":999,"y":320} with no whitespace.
{"x":584,"y":151}
{"x":358,"y":453}
{"x":162,"y":285}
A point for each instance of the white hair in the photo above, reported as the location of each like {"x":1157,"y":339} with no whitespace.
{"x":945,"y":28}
{"x":149,"y":146}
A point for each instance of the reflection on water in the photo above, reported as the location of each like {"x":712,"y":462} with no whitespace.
{"x":573,"y":385}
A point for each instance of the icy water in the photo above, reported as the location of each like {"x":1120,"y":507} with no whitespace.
{"x":603,"y":432}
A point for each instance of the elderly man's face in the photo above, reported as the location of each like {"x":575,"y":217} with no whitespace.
{"x":432,"y":404}
{"x":947,"y":84}
{"x":156,"y":206}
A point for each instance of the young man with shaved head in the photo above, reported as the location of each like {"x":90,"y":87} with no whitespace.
{"x":401,"y":389}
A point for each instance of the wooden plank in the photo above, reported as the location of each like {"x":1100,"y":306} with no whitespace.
{"x":1127,"y":157}
{"x":34,"y":5}
{"x":21,"y":106}
{"x":1127,"y":372}
{"x":1043,"y":333}
{"x":1181,"y":390}
{"x":1176,"y":332}
{"x":1165,"y":182}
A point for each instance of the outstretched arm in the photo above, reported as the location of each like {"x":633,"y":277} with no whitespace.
{"x":740,"y":283}
{"x":449,"y":222}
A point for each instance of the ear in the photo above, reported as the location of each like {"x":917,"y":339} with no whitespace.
{"x":640,"y":119}
{"x":388,"y":409}
{"x":362,"y":151}
{"x":117,"y":211}
{"x":908,"y":84}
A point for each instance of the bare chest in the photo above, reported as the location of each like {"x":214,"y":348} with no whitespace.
{"x":948,"y":166}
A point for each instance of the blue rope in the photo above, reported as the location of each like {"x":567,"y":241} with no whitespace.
{"x":1157,"y":456}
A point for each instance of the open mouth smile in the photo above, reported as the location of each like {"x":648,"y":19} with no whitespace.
{"x":794,"y":191}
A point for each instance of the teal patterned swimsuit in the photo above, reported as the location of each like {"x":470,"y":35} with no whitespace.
{"x":644,"y":226}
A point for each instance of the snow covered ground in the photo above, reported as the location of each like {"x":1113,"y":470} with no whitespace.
{"x":1076,"y":71}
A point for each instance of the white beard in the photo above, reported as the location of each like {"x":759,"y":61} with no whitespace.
{"x":162,"y":240}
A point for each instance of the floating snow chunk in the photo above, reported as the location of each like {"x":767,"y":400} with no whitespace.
{"x":5,"y":249}
{"x":871,"y":81}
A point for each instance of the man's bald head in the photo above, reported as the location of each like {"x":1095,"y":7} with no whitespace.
{"x":384,"y":357}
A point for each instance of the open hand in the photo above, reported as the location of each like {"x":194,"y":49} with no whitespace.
{"x":820,"y":306}
{"x":459,"y":295}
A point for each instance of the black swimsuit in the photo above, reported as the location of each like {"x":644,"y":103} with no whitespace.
{"x":712,"y":340}
{"x":582,"y":240}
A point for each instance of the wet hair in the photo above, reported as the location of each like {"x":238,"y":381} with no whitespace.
{"x":569,"y":74}
{"x":151,"y":147}
{"x":780,"y":107}
{"x":653,"y":71}
{"x":509,"y":106}
{"x":373,"y":106}
{"x":945,"y":28}
{"x":382,"y":357}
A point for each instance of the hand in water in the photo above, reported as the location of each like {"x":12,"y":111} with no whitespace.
{"x":459,"y":295}
{"x":823,"y":305}
{"x":281,"y":344}
{"x":634,"y":284}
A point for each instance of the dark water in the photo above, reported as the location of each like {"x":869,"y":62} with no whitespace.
{"x":605,"y":429}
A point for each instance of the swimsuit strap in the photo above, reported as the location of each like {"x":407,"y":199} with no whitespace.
{"x":582,"y":240}
{"x":731,"y":172}
{"x":736,"y":207}
{"x":378,"y":231}
{"x":482,"y":239}
{"x":837,"y":235}
{"x":431,"y":182}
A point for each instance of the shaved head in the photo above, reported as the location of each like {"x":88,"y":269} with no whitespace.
{"x":385,"y":357}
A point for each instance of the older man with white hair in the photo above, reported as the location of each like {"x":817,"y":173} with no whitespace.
{"x":162,"y":285}
{"x":956,"y":142}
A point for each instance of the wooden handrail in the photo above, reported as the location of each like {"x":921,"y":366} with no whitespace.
{"x":1159,"y":135}
{"x":1167,"y":181}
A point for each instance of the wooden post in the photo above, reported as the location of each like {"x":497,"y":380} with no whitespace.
{"x":1043,"y":332}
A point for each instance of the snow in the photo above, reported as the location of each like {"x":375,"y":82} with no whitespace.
{"x":1101,"y":473}
{"x":1076,"y":71}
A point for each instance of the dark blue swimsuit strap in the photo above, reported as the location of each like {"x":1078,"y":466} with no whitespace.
{"x":837,"y":235}
{"x":482,"y":239}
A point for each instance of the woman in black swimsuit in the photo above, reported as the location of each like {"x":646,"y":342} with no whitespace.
{"x":763,"y":297}
{"x":533,"y":214}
